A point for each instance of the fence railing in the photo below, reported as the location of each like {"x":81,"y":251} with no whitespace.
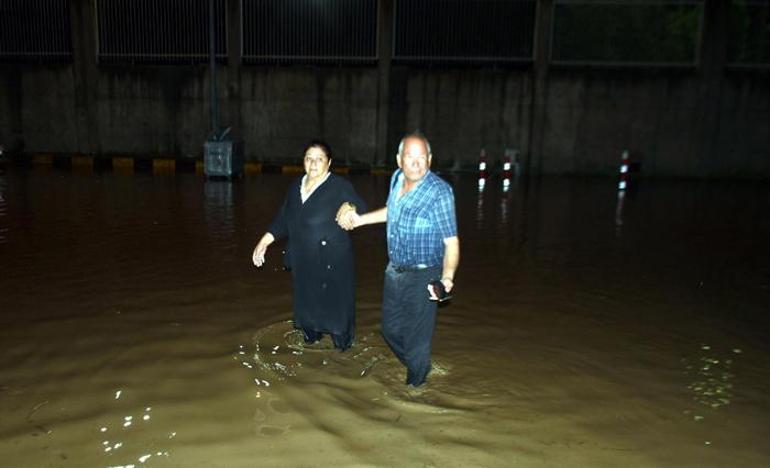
{"x":748,"y":44}
{"x":464,"y":31}
{"x":328,"y":31}
{"x":626,"y":32}
{"x":583,"y":32}
{"x":35,"y":30}
{"x":158,"y":31}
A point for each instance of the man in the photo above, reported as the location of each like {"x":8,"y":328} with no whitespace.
{"x":422,"y":247}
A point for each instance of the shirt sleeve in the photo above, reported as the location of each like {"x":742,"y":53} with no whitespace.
{"x":279,"y":227}
{"x":444,"y":213}
{"x":393,"y":182}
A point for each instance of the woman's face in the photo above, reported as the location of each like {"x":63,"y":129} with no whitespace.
{"x":316,"y":162}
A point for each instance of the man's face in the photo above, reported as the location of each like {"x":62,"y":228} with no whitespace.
{"x":414,"y":160}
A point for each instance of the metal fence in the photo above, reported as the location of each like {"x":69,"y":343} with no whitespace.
{"x":35,"y":30}
{"x":464,"y":31}
{"x":628,"y":32}
{"x":158,"y":31}
{"x":584,"y":32}
{"x":314,"y":31}
{"x":749,"y":35}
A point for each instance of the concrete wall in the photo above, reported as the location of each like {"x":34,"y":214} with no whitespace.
{"x":664,"y":120}
{"x":704,"y":122}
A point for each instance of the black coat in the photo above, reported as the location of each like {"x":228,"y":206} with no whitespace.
{"x":320,"y":255}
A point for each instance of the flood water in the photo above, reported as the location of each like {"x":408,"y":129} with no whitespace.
{"x":586,"y":330}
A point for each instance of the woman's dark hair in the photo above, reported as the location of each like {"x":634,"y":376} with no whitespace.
{"x":320,"y":144}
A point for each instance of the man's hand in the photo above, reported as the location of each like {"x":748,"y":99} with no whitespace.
{"x":347,"y":217}
{"x":448,"y":285}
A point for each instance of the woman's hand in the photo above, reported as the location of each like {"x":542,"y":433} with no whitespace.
{"x":347,"y":216}
{"x":258,"y":256}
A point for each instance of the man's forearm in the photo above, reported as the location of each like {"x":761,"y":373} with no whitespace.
{"x":451,"y":257}
{"x":373,"y":217}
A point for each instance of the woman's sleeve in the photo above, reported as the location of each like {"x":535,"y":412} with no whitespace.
{"x":349,"y":194}
{"x":278,"y":228}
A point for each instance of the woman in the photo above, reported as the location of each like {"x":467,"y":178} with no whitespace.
{"x":319,"y":252}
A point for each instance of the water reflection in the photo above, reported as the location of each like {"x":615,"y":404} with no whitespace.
{"x":280,"y":350}
{"x":574,"y":324}
{"x":497,"y":207}
{"x":619,"y":213}
{"x":480,"y":204}
{"x":712,"y":384}
{"x":124,"y":441}
{"x":219,"y":209}
{"x":3,"y":225}
{"x":505,"y":202}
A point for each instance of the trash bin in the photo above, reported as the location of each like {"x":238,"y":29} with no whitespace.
{"x":222,"y":157}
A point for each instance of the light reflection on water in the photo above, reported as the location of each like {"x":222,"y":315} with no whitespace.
{"x":119,"y":441}
{"x":712,"y":386}
{"x":219,"y":208}
{"x":280,"y":349}
{"x":131,"y":440}
{"x":619,"y":213}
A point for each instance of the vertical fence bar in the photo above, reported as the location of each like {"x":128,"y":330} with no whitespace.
{"x":113,"y":47}
{"x":97,"y":15}
{"x":140,"y":36}
{"x":30,"y":40}
{"x":119,"y":46}
{"x":36,"y":43}
{"x":212,"y":66}
{"x":48,"y":45}
{"x":109,"y":14}
{"x":101,"y":23}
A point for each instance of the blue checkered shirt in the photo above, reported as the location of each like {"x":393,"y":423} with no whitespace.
{"x":419,"y":221}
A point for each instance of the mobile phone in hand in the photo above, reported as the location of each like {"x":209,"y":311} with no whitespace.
{"x":440,"y":292}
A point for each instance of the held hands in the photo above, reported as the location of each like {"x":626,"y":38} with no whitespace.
{"x":347,"y":217}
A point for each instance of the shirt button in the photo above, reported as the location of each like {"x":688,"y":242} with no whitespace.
{"x":328,"y":267}
{"x":323,"y":242}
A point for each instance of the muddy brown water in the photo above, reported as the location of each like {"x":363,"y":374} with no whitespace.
{"x":586,"y":330}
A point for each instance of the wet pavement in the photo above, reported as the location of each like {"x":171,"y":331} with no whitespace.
{"x":587,"y":329}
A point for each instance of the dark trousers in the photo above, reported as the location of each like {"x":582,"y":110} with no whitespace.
{"x":341,"y":341}
{"x":409,"y":318}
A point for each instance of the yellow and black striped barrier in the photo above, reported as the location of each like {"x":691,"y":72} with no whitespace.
{"x":160,"y":166}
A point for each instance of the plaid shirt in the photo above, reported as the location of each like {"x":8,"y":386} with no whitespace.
{"x":419,"y":221}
